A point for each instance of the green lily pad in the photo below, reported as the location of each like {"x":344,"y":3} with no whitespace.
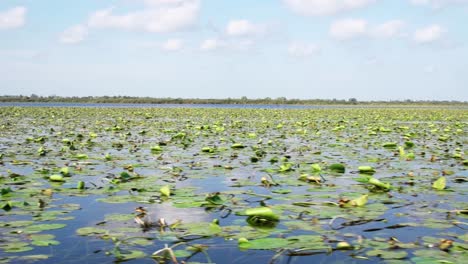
{"x":86,"y":231}
{"x":237,"y":146}
{"x":165,"y":190}
{"x":42,"y":227}
{"x":263,"y":243}
{"x":388,"y":254}
{"x":366,"y":169}
{"x":337,"y":167}
{"x":45,"y":243}
{"x":134,"y":254}
{"x":263,"y":212}
{"x":379,"y":184}
{"x":439,"y":184}
{"x":56,"y":178}
{"x":119,"y":217}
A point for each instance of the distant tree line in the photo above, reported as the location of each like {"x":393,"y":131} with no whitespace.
{"x":242,"y":100}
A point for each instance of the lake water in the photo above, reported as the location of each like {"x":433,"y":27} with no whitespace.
{"x":220,"y":162}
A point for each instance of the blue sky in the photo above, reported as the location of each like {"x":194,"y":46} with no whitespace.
{"x":366,"y":49}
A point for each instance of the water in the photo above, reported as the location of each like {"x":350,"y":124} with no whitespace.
{"x":424,"y":214}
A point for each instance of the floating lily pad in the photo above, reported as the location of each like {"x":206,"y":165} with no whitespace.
{"x":339,"y":168}
{"x":86,"y":231}
{"x":263,"y":243}
{"x":439,"y":184}
{"x":42,"y":227}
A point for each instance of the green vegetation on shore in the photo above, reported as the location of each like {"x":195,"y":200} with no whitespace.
{"x":242,"y":100}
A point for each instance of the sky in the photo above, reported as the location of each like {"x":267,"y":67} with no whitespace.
{"x":306,"y":49}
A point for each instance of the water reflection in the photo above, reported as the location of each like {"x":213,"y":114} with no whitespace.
{"x":172,"y":214}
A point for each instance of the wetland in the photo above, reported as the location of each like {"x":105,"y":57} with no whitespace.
{"x":233,"y":185}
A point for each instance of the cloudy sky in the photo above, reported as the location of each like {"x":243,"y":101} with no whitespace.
{"x":366,"y":49}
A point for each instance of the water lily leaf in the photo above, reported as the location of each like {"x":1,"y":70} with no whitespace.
{"x":182,"y":253}
{"x":156,"y":148}
{"x":263,"y":243}
{"x":119,"y":217}
{"x":285,"y":167}
{"x":208,"y":149}
{"x":316,"y":167}
{"x":6,"y":191}
{"x":42,"y":237}
{"x":17,"y":248}
{"x":307,"y":242}
{"x":86,"y":231}
{"x":361,"y":201}
{"x":363,"y":178}
{"x":282,"y":191}
{"x":337,"y":167}
{"x":134,"y":254}
{"x":237,"y":146}
{"x":201,"y":229}
{"x":56,"y":178}
{"x":263,"y":212}
{"x":80,"y":185}
{"x":261,"y":222}
{"x":45,"y":243}
{"x":65,"y":171}
{"x":141,"y":242}
{"x":310,"y":179}
{"x":464,"y":237}
{"x":366,"y":169}
{"x":214,"y":198}
{"x":343,"y":245}
{"x":388,"y":254}
{"x":439,"y":184}
{"x":7,"y":206}
{"x":306,"y":238}
{"x":81,"y":156}
{"x":14,"y":224}
{"x":390,"y":145}
{"x":165,"y":190}
{"x":379,"y":184}
{"x":42,"y":227}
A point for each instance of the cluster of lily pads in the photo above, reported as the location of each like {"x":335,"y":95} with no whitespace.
{"x":202,"y":185}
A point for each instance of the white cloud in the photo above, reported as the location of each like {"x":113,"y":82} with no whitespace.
{"x":347,"y":29}
{"x":430,"y":69}
{"x":389,"y":29}
{"x":13,"y":18}
{"x":325,"y":7}
{"x":301,"y":49}
{"x":437,"y":3}
{"x":163,"y":2}
{"x":243,"y":27}
{"x":242,"y":45}
{"x":160,"y":16}
{"x":428,"y":34}
{"x":172,"y":45}
{"x":74,"y":34}
{"x":211,"y":44}
{"x":233,"y":44}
